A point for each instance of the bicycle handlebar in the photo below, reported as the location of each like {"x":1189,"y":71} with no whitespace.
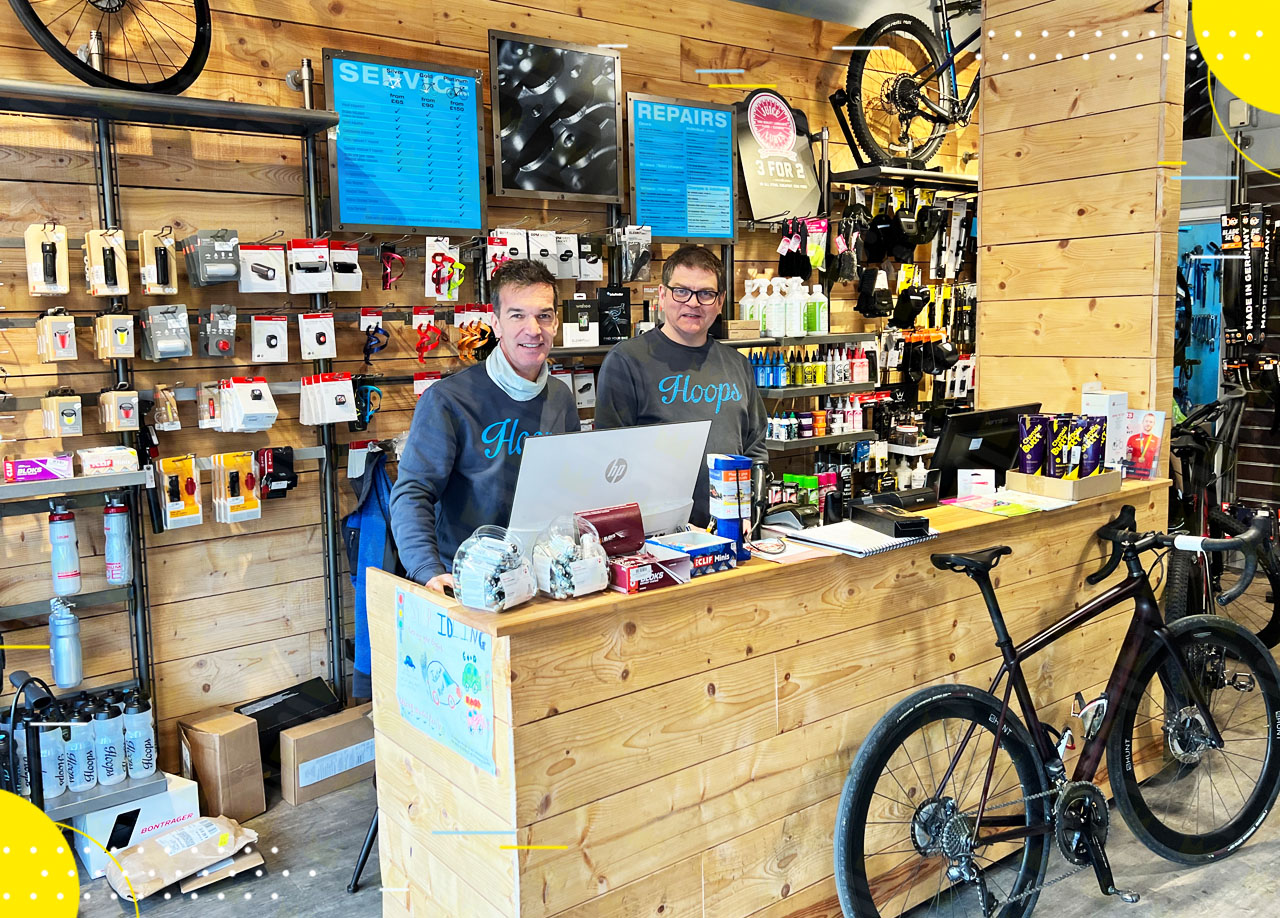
{"x":1124,"y":524}
{"x":1246,"y":543}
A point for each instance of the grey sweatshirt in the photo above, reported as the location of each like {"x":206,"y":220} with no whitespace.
{"x":652,"y":379}
{"x":459,"y":467}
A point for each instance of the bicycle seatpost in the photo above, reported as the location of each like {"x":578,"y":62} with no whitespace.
{"x":983,"y":580}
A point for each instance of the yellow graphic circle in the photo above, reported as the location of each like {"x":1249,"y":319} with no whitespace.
{"x":1240,"y":41}
{"x":38,"y":877}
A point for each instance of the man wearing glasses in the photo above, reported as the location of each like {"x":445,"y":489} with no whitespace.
{"x":678,"y":373}
{"x":460,"y":464}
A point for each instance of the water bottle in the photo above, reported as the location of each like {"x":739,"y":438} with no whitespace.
{"x":22,"y":766}
{"x":139,"y":738}
{"x":108,"y":745}
{"x":81,"y":773}
{"x":118,"y":550}
{"x":53,"y":762}
{"x":65,"y":558}
{"x":64,"y":645}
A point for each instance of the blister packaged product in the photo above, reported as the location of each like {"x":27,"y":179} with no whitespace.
{"x":56,"y":336}
{"x":62,"y":413}
{"x":212,"y":257}
{"x":262,"y":269}
{"x":308,"y":261}
{"x":166,"y":332}
{"x":344,"y":265}
{"x":113,"y":336}
{"x":270,"y":339}
{"x":48,"y":273}
{"x":316,"y":336}
{"x":569,"y":561}
{"x":106,"y":272}
{"x":491,"y":573}
{"x":235,"y":482}
{"x":157,"y":262}
{"x":118,"y":410}
{"x":179,"y":485}
{"x":216,"y":330}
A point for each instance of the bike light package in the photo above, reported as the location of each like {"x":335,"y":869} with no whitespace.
{"x":118,"y":410}
{"x":179,"y":486}
{"x":245,"y":405}
{"x":166,"y":333}
{"x":262,"y":269}
{"x":106,"y":272}
{"x":113,"y":337}
{"x":63,"y":415}
{"x":276,"y":476}
{"x":216,"y":330}
{"x":327,"y":398}
{"x":235,"y":496}
{"x":316,"y":336}
{"x":344,"y":265}
{"x":269,"y":337}
{"x":48,"y":272}
{"x":56,"y":336}
{"x":212,"y":257}
{"x":157,"y":263}
{"x":308,"y":262}
{"x":209,"y":406}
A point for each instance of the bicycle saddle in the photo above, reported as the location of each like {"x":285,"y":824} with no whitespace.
{"x":971,"y":562}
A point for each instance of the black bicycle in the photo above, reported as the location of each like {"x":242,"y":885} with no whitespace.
{"x":902,"y":92}
{"x":954,"y":804}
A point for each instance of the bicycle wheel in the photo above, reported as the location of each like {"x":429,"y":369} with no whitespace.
{"x":884,"y":95}
{"x":904,"y":831}
{"x":1256,"y":608}
{"x":1183,"y":799}
{"x":1183,"y":592}
{"x":151,"y":45}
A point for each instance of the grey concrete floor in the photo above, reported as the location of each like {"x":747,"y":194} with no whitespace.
{"x":324,"y":836}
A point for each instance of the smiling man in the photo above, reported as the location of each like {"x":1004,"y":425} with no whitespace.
{"x":460,"y":464}
{"x":679,"y":373}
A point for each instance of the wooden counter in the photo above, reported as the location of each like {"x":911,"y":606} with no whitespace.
{"x":681,"y":752}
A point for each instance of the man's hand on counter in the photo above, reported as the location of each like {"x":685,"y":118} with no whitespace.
{"x":440,"y":582}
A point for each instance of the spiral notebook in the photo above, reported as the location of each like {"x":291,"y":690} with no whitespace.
{"x":849,"y":538}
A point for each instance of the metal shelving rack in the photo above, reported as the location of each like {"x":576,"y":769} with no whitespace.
{"x":104,"y":107}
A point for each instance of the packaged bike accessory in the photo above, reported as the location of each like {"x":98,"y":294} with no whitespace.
{"x":327,"y":398}
{"x":429,"y":334}
{"x":424,"y":381}
{"x":62,"y":414}
{"x":244,"y":405}
{"x":308,"y":261}
{"x":344,"y":263}
{"x":637,"y":253}
{"x":566,"y":256}
{"x":212,"y":257}
{"x":270,"y":339}
{"x":157,"y":262}
{"x":113,"y":336}
{"x":164,"y":415}
{"x":179,"y":485}
{"x":209,"y":406}
{"x":370,"y":317}
{"x":581,"y":324}
{"x":614,"y":305}
{"x":368,"y":401}
{"x":504,"y":245}
{"x":568,"y":560}
{"x":166,"y":333}
{"x":56,"y":336}
{"x":276,"y":476}
{"x":542,"y":249}
{"x":375,"y":340}
{"x":262,"y":269}
{"x":118,"y":410}
{"x":106,"y":272}
{"x":444,"y":268}
{"x":48,"y":273}
{"x":874,"y":300}
{"x":235,"y":481}
{"x":216,"y":330}
{"x":316,"y":336}
{"x":590,"y":258}
{"x":491,"y":573}
{"x":392,"y":264}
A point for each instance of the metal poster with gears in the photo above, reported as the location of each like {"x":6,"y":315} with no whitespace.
{"x":407,"y":154}
{"x":557,"y":119}
{"x":777,"y":160}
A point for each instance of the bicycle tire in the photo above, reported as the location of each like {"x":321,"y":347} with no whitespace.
{"x":874,"y":35}
{"x":938,"y":704}
{"x":1204,"y":642}
{"x":1182,"y":587}
{"x":173,"y":84}
{"x":1253,"y":610}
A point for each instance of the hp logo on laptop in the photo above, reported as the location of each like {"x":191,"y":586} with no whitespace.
{"x":615,"y":471}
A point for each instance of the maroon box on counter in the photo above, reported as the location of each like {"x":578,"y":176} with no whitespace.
{"x":656,"y":566}
{"x":621,"y":528}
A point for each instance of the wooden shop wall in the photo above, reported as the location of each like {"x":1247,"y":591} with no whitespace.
{"x":238,"y":611}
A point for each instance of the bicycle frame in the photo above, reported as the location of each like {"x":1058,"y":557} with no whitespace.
{"x":962,"y":110}
{"x":1146,"y":627}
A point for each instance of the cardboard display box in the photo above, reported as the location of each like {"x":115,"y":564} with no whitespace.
{"x":327,"y":754}
{"x":1064,"y":488}
{"x":220,"y":751}
{"x":118,"y":827}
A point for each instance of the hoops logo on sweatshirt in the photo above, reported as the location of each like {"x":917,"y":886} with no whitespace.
{"x":507,"y":435}
{"x":680,"y":388}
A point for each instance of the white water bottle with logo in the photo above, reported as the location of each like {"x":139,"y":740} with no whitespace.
{"x":81,"y":773}
{"x":118,"y":550}
{"x":53,"y":762}
{"x":65,"y":556}
{"x":139,"y":739}
{"x":108,"y":745}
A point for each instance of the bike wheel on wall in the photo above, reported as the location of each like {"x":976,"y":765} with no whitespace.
{"x":149,"y":45}
{"x":884,"y":93}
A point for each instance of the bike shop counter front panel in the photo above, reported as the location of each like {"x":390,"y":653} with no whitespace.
{"x":681,"y":752}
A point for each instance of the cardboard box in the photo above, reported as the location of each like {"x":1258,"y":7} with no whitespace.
{"x":655,"y":566}
{"x":707,"y":553}
{"x":741,"y":329}
{"x":245,"y":860}
{"x":1064,"y":488}
{"x":581,"y":324}
{"x":220,"y":751}
{"x":584,"y":388}
{"x":275,"y":713}
{"x":118,"y":827}
{"x":1114,"y":406}
{"x":326,"y":754}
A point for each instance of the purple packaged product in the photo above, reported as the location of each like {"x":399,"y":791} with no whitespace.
{"x":1075,"y":439}
{"x":1058,"y":429}
{"x":1032,"y":443}
{"x":1093,"y":447}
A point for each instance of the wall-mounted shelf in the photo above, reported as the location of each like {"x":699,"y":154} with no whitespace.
{"x":811,"y":391}
{"x":882,"y":176}
{"x":809,"y":340}
{"x":787,"y":446}
{"x":924,"y":449}
{"x":39,"y":608}
{"x":87,"y":484}
{"x":69,"y":804}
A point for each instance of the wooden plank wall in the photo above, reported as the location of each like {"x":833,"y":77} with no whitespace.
{"x":239,"y":611}
{"x":1080,"y":102}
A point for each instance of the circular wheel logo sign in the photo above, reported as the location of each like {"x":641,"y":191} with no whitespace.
{"x":771,"y":124}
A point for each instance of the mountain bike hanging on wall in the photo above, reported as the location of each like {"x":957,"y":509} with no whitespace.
{"x":953,"y":803}
{"x":149,"y":45}
{"x":902,"y":93}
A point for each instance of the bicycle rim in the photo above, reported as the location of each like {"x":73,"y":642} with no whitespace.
{"x":900,"y":828}
{"x":1185,"y":800}
{"x":148,"y":45}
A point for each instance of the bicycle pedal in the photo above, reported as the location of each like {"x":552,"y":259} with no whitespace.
{"x":1125,"y":895}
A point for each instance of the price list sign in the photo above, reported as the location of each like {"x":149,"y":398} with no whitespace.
{"x":683,"y":168}
{"x":406,"y":153}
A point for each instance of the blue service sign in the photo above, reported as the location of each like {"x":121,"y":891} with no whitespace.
{"x":683,"y":169}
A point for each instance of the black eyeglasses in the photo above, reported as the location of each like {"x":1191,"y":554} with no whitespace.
{"x":684,"y":294}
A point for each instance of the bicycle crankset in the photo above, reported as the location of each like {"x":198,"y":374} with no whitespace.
{"x":1081,"y":807}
